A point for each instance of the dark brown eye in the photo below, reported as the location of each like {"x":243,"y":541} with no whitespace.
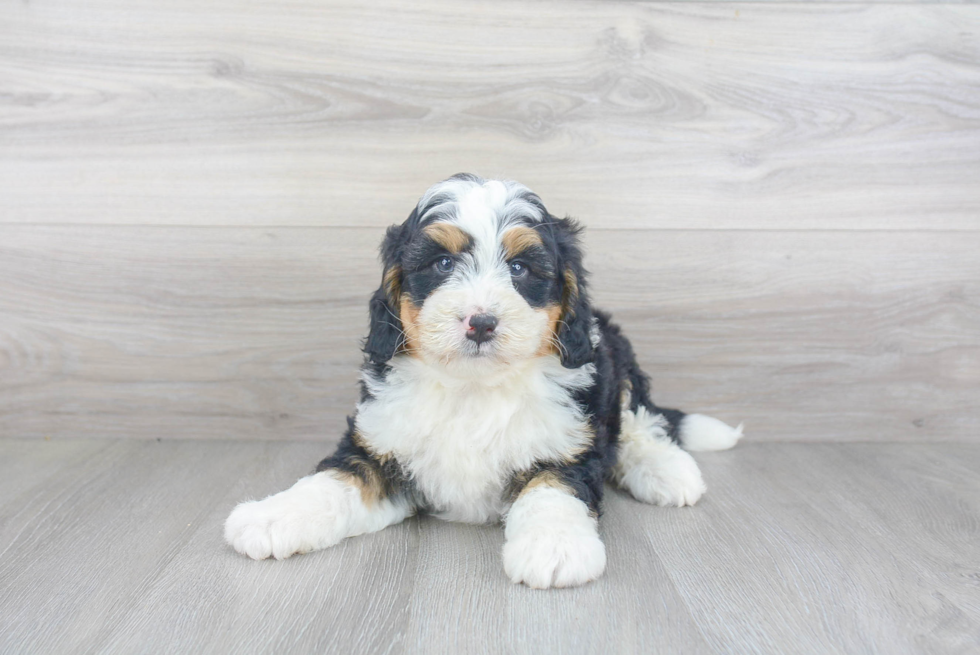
{"x":518,"y":269}
{"x":445,"y":264}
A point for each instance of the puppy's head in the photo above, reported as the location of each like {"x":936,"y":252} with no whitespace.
{"x":481,"y":276}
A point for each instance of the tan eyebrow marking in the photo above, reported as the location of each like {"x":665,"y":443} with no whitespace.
{"x":450,"y":237}
{"x":518,"y":239}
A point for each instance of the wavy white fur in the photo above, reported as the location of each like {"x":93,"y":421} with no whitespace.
{"x":462,"y":440}
{"x":701,"y":433}
{"x":453,"y":425}
{"x":653,"y":468}
{"x":316,"y":512}
{"x":551,"y":540}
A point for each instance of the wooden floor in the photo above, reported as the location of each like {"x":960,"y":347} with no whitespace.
{"x":782,"y":209}
{"x":115,"y":546}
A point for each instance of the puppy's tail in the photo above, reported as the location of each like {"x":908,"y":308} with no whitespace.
{"x":697,"y":432}
{"x":692,"y":432}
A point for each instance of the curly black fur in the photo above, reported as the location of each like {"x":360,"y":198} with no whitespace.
{"x":617,"y":370}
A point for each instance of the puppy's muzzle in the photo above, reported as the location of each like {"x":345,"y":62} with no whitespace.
{"x":480,"y":327}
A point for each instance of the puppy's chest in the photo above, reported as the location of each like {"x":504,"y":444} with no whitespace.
{"x":461,"y":445}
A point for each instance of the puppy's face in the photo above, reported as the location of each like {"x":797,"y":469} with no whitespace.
{"x":476,"y":277}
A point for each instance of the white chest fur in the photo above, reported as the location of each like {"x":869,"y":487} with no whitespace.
{"x":461,"y":441}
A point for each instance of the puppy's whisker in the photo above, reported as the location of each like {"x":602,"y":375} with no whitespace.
{"x":402,"y":335}
{"x":559,"y":346}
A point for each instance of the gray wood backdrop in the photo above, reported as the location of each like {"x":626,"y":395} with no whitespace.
{"x":783,"y":200}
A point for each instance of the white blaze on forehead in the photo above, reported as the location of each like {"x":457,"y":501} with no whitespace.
{"x":503,"y":199}
{"x":478,"y":214}
{"x":483,"y":209}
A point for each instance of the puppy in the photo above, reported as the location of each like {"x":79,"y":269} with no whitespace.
{"x":491,"y":390}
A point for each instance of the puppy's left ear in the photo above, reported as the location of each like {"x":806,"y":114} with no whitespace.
{"x":386,"y":333}
{"x":574,"y":333}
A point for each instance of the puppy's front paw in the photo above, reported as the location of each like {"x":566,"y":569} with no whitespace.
{"x":552,"y":559}
{"x":311,"y":515}
{"x":247,"y":529}
{"x":552,"y":541}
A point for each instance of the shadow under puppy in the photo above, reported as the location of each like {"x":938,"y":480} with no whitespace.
{"x":491,"y":389}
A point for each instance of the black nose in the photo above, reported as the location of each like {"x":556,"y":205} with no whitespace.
{"x":481,"y":327}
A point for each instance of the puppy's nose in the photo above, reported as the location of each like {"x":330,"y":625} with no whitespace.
{"x":481,"y":327}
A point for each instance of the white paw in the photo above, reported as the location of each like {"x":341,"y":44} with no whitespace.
{"x":699,"y":432}
{"x":675,"y":482}
{"x":656,"y":471}
{"x":551,"y":541}
{"x":548,"y":559}
{"x":312,"y":514}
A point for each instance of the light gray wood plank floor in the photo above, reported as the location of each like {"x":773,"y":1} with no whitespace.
{"x":115,"y":546}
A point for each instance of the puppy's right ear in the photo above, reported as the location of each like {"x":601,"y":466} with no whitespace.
{"x":386,"y":333}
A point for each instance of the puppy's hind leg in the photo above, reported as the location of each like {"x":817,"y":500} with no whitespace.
{"x":650,"y":465}
{"x":316,"y":512}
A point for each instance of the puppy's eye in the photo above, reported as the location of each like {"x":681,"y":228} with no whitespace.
{"x":445,"y":264}
{"x":518,"y":269}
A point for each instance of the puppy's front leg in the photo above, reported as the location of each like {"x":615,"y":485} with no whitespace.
{"x":316,"y":512}
{"x":551,"y":536}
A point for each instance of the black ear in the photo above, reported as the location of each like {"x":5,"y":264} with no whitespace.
{"x":386,"y":334}
{"x":574,"y":333}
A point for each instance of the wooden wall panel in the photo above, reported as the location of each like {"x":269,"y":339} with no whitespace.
{"x":191,"y":194}
{"x":161,"y":332}
{"x":667,"y":115}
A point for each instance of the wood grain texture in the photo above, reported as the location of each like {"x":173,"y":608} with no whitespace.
{"x":677,"y":115}
{"x":254,"y":333}
{"x":842,"y":531}
{"x":65,"y":540}
{"x":788,"y":224}
{"x":803,"y":548}
{"x":25,"y":465}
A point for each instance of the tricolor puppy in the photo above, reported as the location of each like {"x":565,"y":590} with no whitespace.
{"x":491,"y":390}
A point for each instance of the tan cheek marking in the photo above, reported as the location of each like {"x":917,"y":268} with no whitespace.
{"x":549,"y":338}
{"x":557,"y":313}
{"x":450,"y":237}
{"x":518,"y":239}
{"x":409,"y":315}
